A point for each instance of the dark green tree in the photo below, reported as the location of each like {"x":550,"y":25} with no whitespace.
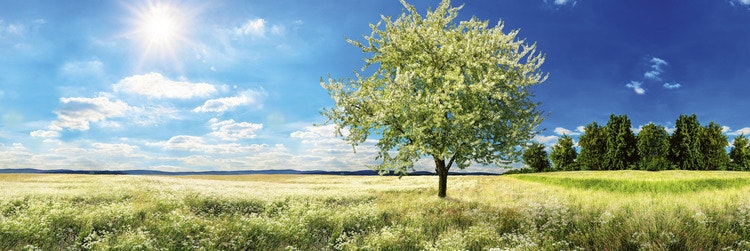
{"x":593,"y":145}
{"x":621,"y":144}
{"x":740,"y":153}
{"x":563,"y":155}
{"x":713,"y":145}
{"x":536,"y":157}
{"x":653,"y":147}
{"x":684,"y":145}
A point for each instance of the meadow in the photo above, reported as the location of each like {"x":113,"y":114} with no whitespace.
{"x":612,"y":210}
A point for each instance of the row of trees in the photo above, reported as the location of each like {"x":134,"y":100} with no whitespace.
{"x":616,"y":147}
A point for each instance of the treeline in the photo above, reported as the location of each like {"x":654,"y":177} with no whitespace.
{"x":616,"y":147}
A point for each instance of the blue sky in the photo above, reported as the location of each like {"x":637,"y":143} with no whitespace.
{"x":234,"y":85}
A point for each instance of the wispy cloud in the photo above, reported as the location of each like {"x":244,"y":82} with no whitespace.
{"x":559,"y":3}
{"x":253,"y":27}
{"x":673,"y":85}
{"x":636,"y":86}
{"x":740,"y":3}
{"x":655,"y":73}
{"x":656,"y":69}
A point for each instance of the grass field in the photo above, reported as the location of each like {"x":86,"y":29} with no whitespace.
{"x":616,"y":210}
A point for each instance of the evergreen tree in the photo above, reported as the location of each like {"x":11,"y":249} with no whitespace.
{"x":740,"y":153}
{"x":684,"y":145}
{"x":653,"y":147}
{"x":563,"y":154}
{"x":621,"y":144}
{"x":593,"y":145}
{"x":713,"y":145}
{"x":536,"y":157}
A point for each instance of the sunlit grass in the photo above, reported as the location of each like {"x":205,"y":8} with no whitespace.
{"x":551,"y":211}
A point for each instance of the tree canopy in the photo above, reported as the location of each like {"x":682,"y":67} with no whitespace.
{"x":653,"y":147}
{"x":740,"y":153}
{"x":621,"y":144}
{"x":684,"y":145}
{"x":458,"y":92}
{"x":563,"y":153}
{"x":690,"y":147}
{"x":713,"y":145}
{"x":536,"y":157}
{"x":593,"y":145}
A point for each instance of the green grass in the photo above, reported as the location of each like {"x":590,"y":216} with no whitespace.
{"x":623,"y":210}
{"x":641,"y":182}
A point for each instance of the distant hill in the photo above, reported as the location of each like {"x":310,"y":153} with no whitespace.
{"x":241,"y":172}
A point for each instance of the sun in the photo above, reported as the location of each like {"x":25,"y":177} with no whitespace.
{"x":160,"y":26}
{"x":161,"y":31}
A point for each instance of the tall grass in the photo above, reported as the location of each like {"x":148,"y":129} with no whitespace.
{"x":289,"y":212}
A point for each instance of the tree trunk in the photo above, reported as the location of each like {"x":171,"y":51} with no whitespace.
{"x":442,"y":172}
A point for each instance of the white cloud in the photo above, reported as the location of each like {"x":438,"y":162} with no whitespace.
{"x":673,"y":85}
{"x":157,"y":86}
{"x":561,"y":2}
{"x":7,"y":29}
{"x":656,"y":63}
{"x":199,"y":144}
{"x":652,"y":75}
{"x":581,"y":129}
{"x":745,"y":131}
{"x":86,"y":68}
{"x":233,"y":131}
{"x":656,"y":69}
{"x":317,"y":132}
{"x":254,"y":27}
{"x":545,"y":140}
{"x":740,"y":2}
{"x":45,"y":134}
{"x":114,"y":149}
{"x":251,"y":99}
{"x":636,"y":86}
{"x":78,"y":113}
{"x":561,"y":131}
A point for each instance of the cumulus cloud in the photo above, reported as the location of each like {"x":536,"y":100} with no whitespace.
{"x":636,"y":86}
{"x":251,"y":99}
{"x":253,"y":27}
{"x":199,"y":144}
{"x":233,"y":131}
{"x":745,"y":131}
{"x":77,"y":113}
{"x":561,"y":131}
{"x":155,"y":85}
{"x":740,"y":2}
{"x":545,"y":140}
{"x":316,"y":132}
{"x":45,"y":134}
{"x":673,"y":85}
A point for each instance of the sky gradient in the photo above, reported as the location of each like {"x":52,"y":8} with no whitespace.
{"x":234,"y":85}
